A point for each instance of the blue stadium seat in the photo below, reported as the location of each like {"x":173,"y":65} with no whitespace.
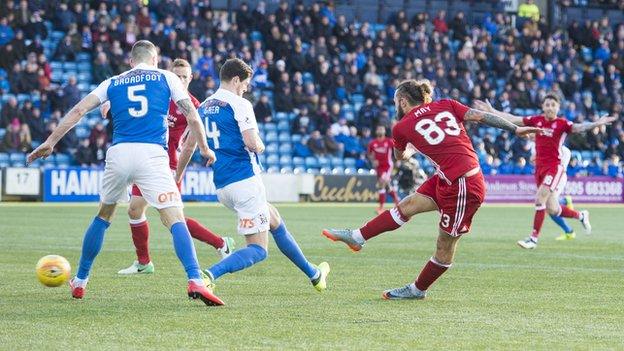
{"x":17,"y":157}
{"x":285,"y":149}
{"x":270,"y":127}
{"x":311,"y":162}
{"x":281,"y":116}
{"x":337,"y":162}
{"x":272,"y":160}
{"x":286,"y":170}
{"x":255,"y":36}
{"x":324,"y":161}
{"x":284,"y":137}
{"x":55,"y":65}
{"x":272,"y":149}
{"x":70,"y":66}
{"x":2,"y":133}
{"x":325,"y":170}
{"x":349,"y":162}
{"x":36,"y":163}
{"x":262,"y":159}
{"x":84,"y":67}
{"x":283,"y":126}
{"x":299,"y":170}
{"x":84,"y":77}
{"x":357,"y":99}
{"x":63,"y":160}
{"x":270,"y":137}
{"x":338,"y":170}
{"x":298,"y":161}
{"x":56,"y":35}
{"x":312,"y":171}
{"x":4,"y":164}
{"x":83,"y":57}
{"x":273,"y":169}
{"x":296,"y":138}
{"x":22,"y":97}
{"x":82,"y":132}
{"x":350,"y":170}
{"x":286,"y":161}
{"x":4,"y":157}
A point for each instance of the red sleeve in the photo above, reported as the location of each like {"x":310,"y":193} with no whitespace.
{"x":194,"y":101}
{"x":568,"y":126}
{"x":529,"y":121}
{"x":397,"y":138}
{"x":459,"y":109}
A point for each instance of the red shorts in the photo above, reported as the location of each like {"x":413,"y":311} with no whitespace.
{"x":137,"y":192}
{"x":549,"y":176}
{"x":457,"y":202}
{"x":384,"y":173}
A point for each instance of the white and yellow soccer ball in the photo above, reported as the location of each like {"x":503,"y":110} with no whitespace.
{"x":53,"y":270}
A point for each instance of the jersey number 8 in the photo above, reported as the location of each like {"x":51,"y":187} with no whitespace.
{"x":433,"y":134}
{"x":142,"y":100}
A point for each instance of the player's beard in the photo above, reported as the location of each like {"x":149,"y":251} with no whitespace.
{"x":399,"y":113}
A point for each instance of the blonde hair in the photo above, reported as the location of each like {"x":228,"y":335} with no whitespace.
{"x":143,"y":50}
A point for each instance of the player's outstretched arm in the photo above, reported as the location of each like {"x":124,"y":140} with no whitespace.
{"x":72,"y":117}
{"x":583,"y":127}
{"x":188,"y":148}
{"x":487,"y":107}
{"x":493,"y":120}
{"x":197,"y":129}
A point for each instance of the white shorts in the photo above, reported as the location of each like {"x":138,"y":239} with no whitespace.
{"x":248,"y":199}
{"x":147,"y":166}
{"x":561,"y":185}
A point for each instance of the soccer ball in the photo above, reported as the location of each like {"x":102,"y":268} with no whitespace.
{"x":53,"y":270}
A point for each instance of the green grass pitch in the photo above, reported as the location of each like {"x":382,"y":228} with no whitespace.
{"x":561,"y":296}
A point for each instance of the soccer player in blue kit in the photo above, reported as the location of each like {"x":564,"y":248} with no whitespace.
{"x":232,"y":133}
{"x":139,"y":100}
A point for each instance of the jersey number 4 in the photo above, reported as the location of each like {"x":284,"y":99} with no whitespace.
{"x":433,"y":134}
{"x":212,"y":132}
{"x":142,"y":100}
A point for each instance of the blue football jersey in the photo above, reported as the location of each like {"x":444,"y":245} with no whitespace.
{"x":139,"y":101}
{"x":225,"y":116}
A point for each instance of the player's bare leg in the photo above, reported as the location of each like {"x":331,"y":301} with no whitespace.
{"x":439,"y":263}
{"x":173,"y":219}
{"x":289,"y":247}
{"x":91,"y":246}
{"x":386,"y":221}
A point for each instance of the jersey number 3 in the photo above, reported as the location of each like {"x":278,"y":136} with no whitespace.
{"x":142,"y":100}
{"x":433,"y":134}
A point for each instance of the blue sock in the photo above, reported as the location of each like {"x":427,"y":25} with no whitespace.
{"x":185,"y":250}
{"x":238,"y":260}
{"x":288,"y":246}
{"x":91,"y":245}
{"x":562,"y":223}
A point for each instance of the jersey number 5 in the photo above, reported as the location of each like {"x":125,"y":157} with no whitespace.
{"x":433,"y":134}
{"x":142,"y":100}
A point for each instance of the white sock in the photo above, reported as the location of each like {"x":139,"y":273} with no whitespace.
{"x":357,"y":236}
{"x":80,"y":283}
{"x":317,"y":275}
{"x":197,"y":281}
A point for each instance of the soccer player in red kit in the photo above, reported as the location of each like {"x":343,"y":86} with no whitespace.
{"x":136,"y":211}
{"x":548,"y":170}
{"x":435,"y":129}
{"x":380,"y":155}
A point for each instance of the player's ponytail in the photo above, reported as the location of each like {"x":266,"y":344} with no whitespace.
{"x":417,"y":92}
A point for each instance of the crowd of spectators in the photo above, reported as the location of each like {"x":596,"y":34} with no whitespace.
{"x":335,"y":77}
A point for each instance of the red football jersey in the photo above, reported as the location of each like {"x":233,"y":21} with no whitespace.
{"x":176,"y":131}
{"x":548,"y":144}
{"x":436,"y":130}
{"x":382,"y":150}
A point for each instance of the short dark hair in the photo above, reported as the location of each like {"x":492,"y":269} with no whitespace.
{"x":415,"y":91}
{"x":235,"y":68}
{"x":551,"y":96}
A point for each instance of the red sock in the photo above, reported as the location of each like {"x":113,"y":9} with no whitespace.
{"x":386,"y":221}
{"x":538,"y":220}
{"x":204,"y":234}
{"x":382,"y":199}
{"x":429,"y":274}
{"x":569,"y":213}
{"x":140,"y":236}
{"x":395,"y":197}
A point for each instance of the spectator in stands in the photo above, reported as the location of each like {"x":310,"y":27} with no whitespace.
{"x":613,"y":167}
{"x":316,"y":143}
{"x":574,"y":168}
{"x":263,"y":110}
{"x":99,"y":150}
{"x":8,"y":57}
{"x":65,"y":51}
{"x":529,"y":10}
{"x":10,"y":112}
{"x":36,"y":124}
{"x":101,"y":68}
{"x":351,"y":143}
{"x":71,"y":93}
{"x":84,"y":154}
{"x":17,"y":138}
{"x":332,"y":145}
{"x":6,"y":32}
{"x":98,"y":131}
{"x":340,"y":128}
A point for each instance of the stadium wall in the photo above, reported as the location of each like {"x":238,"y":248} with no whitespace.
{"x":81,"y":184}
